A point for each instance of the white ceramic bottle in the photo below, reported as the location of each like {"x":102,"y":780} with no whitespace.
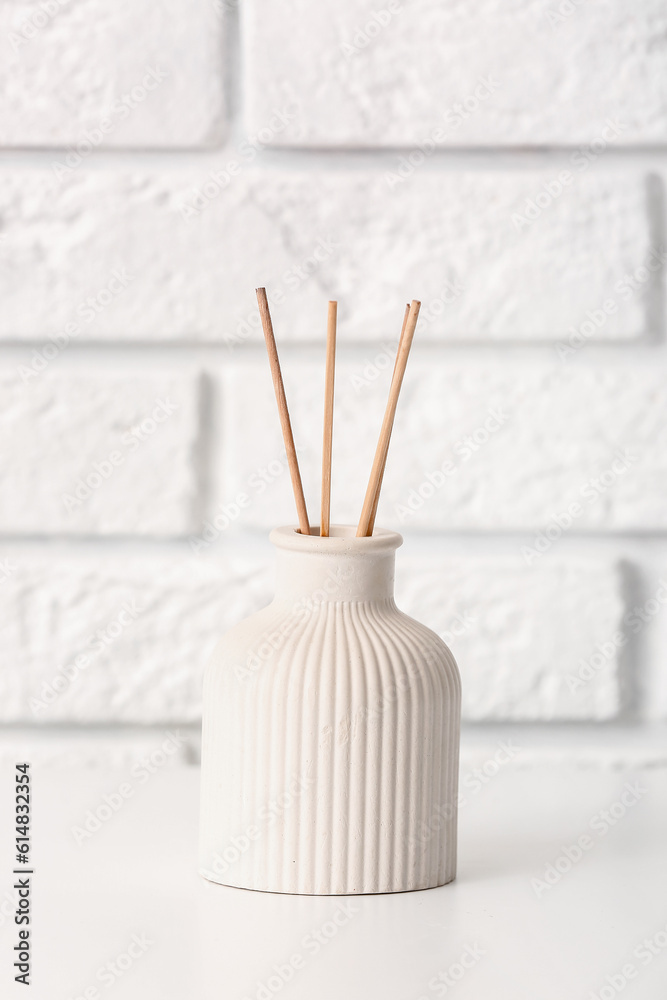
{"x":331,"y":732}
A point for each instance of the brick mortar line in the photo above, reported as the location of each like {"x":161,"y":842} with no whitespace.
{"x":202,"y":353}
{"x":330,"y":159}
{"x":234,"y":543}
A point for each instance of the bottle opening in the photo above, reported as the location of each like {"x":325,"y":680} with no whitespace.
{"x":341,"y":538}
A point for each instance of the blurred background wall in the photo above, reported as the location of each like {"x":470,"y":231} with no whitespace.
{"x":502,"y":162}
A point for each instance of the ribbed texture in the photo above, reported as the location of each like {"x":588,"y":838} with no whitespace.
{"x":333,"y":767}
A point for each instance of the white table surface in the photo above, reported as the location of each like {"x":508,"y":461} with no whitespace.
{"x":136,"y":876}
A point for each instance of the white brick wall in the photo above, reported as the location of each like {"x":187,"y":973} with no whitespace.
{"x":393,"y":74}
{"x":463,"y":242}
{"x":494,"y":445}
{"x":98,"y":453}
{"x":505,"y":164}
{"x":88,"y":74}
{"x":117,"y":638}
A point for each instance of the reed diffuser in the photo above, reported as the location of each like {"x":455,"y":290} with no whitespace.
{"x":331,"y":719}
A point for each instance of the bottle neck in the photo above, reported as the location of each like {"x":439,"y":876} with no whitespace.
{"x":316,"y":578}
{"x":340,"y":567}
